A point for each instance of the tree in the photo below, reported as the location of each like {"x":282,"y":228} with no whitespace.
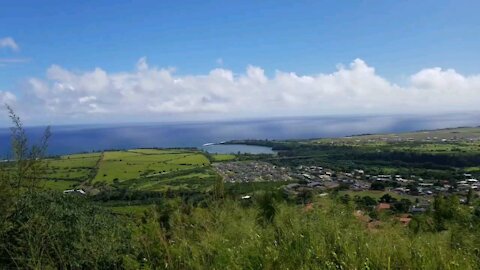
{"x":345,"y":199}
{"x":402,"y":206}
{"x":469,"y":197}
{"x":29,"y":163}
{"x":387,"y":198}
{"x":219,"y":188}
{"x":377,"y":186}
{"x":266,"y":208}
{"x":445,"y":208}
{"x":6,"y":194}
{"x":365,"y":202}
{"x":304,"y":195}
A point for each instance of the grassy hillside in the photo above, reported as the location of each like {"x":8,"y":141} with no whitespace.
{"x":227,"y":234}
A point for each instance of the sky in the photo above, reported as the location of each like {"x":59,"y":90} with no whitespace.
{"x":69,"y":62}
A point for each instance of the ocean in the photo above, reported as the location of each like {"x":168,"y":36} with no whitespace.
{"x":86,"y":138}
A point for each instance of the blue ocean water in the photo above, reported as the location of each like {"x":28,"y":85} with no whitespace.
{"x":86,"y":138}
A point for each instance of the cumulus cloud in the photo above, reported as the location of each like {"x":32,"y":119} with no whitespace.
{"x":9,"y":43}
{"x":7,"y":97}
{"x":152,"y":93}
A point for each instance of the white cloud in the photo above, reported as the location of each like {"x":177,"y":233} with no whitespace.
{"x":86,"y":99}
{"x":7,"y":97}
{"x":151,"y":93}
{"x":10,"y":43}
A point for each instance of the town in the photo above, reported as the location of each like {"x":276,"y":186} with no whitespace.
{"x":320,"y":180}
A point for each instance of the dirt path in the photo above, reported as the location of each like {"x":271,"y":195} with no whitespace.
{"x":85,"y":184}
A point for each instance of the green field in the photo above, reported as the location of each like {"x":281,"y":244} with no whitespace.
{"x":59,"y":184}
{"x":120,"y":166}
{"x":223,"y":157}
{"x":77,"y":167}
{"x":136,"y":169}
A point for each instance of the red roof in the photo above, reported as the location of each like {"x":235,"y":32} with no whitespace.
{"x":405,"y":220}
{"x":383,"y":206}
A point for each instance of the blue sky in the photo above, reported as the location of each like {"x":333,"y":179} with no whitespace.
{"x":397,"y":38}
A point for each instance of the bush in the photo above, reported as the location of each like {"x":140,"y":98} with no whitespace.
{"x":52,"y":230}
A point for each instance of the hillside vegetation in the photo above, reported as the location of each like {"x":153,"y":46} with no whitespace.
{"x":226,"y":235}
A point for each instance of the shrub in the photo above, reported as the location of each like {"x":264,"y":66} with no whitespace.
{"x":52,"y":230}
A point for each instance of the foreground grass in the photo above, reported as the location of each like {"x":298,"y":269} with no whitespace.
{"x":228,"y":236}
{"x":51,"y":231}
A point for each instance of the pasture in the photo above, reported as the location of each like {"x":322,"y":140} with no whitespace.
{"x":140,"y":169}
{"x":223,"y":157}
{"x":121,"y":166}
{"x":77,"y":167}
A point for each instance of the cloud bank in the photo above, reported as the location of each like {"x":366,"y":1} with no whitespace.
{"x":150,"y":93}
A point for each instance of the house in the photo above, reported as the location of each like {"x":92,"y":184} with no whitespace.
{"x":425,"y":184}
{"x":314,"y":184}
{"x":383,"y":177}
{"x":359,"y":172}
{"x":418,"y":210}
{"x":383,"y":206}
{"x":292,"y":186}
{"x":75,"y":191}
{"x":307,"y":176}
{"x":308,"y":207}
{"x":405,"y":219}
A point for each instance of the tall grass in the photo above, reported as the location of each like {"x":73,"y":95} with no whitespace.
{"x":229,"y":236}
{"x":51,"y":231}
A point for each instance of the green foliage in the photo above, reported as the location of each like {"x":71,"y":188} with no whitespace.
{"x":266,"y":208}
{"x":174,"y":235}
{"x":469,"y":197}
{"x":219,"y":188}
{"x":387,"y":198}
{"x":345,"y":199}
{"x":53,"y":231}
{"x":377,"y":185}
{"x":365,"y":202}
{"x":445,"y":208}
{"x":402,"y":206}
{"x":222,"y":157}
{"x":228,"y":236}
{"x":29,"y":166}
